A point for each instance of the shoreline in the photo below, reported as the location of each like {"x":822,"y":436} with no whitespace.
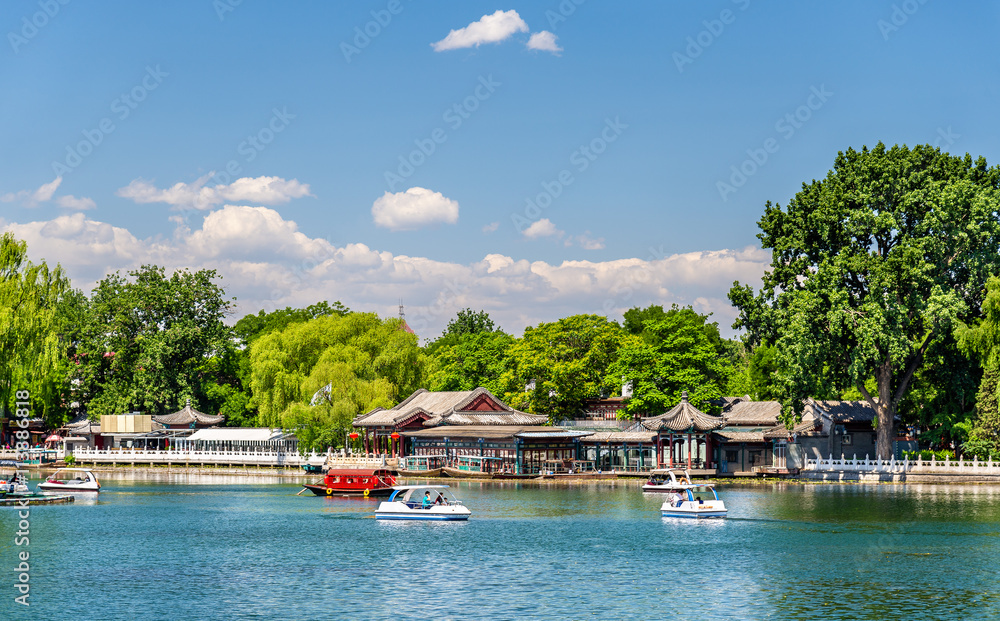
{"x":809,"y":478}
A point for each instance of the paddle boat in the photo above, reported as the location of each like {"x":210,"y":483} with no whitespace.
{"x":355,"y":482}
{"x":422,"y":502}
{"x":668,"y":480}
{"x":71,"y":480}
{"x":696,"y":501}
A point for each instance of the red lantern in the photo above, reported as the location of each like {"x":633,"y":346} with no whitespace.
{"x":394,"y":435}
{"x":353,"y":435}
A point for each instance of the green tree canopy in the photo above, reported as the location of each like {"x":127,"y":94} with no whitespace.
{"x":676,"y":352}
{"x":870,"y":267}
{"x":472,"y":360}
{"x":146,"y":339}
{"x":980,"y":342}
{"x":366,"y":362}
{"x":562,"y":364}
{"x":253,"y":325}
{"x":31,"y":350}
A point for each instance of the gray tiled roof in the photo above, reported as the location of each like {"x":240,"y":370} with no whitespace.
{"x":737,"y":435}
{"x":683,"y":417}
{"x":620,"y":437}
{"x":187,"y":416}
{"x":448,"y":408}
{"x":746,"y":412}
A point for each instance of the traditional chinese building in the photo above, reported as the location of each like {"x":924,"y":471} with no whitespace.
{"x":683,"y":436}
{"x":473,"y":423}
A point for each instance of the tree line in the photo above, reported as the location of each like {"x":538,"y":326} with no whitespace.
{"x":883,"y":287}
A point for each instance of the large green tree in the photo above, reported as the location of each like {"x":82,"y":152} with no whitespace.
{"x":870,"y":267}
{"x":980,"y":342}
{"x":556,"y":366}
{"x":314,"y":377}
{"x":31,"y":350}
{"x":677,"y":350}
{"x":146,"y":340}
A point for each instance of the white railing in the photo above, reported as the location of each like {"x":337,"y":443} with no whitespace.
{"x":180,"y":457}
{"x":918,"y":466}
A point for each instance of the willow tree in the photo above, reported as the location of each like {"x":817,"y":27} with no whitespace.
{"x":316,"y":376}
{"x":30,"y":348}
{"x":870,"y":267}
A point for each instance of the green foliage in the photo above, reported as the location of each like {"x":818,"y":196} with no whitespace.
{"x":927,"y":454}
{"x":471,"y":361}
{"x":870,"y":267}
{"x":367,"y":362}
{"x":469,"y":322}
{"x":756,"y":374}
{"x":252,"y":326}
{"x":145,"y":340}
{"x":69,"y":460}
{"x":31,"y":350}
{"x":567,"y":361}
{"x":681,"y":351}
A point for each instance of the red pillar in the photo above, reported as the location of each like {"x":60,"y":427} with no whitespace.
{"x":670,"y":440}
{"x":689,"y":451}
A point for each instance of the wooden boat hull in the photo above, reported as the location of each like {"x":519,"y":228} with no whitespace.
{"x":465,"y":474}
{"x":582,"y":475}
{"x":321,"y":490}
{"x":432,"y":472}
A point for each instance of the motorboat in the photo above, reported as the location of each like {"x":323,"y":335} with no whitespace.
{"x":696,"y":501}
{"x":71,"y":480}
{"x":354,"y":482}
{"x":408,"y":503}
{"x":668,"y":480}
{"x":10,"y":483}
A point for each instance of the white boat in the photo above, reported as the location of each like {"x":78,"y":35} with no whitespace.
{"x":10,"y":483}
{"x":668,"y":480}
{"x":71,"y":480}
{"x":696,"y":501}
{"x":407,"y":503}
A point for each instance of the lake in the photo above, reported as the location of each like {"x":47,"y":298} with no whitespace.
{"x":157,"y":546}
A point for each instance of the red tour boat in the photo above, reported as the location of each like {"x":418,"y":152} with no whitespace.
{"x":355,"y":482}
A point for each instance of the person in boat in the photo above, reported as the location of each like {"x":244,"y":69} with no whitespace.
{"x":441,"y":500}
{"x":427,"y":501}
{"x":676,"y":499}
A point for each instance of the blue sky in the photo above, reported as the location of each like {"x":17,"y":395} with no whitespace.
{"x":590,"y":174}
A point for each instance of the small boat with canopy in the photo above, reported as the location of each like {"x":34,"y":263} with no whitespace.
{"x":696,"y":501}
{"x":668,"y":480}
{"x":71,"y":480}
{"x":422,"y":502}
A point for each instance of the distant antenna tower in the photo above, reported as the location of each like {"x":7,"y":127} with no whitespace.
{"x":402,"y":315}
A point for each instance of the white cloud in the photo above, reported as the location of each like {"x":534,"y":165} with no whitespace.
{"x":413,"y":209}
{"x":587,"y":243}
{"x":260,"y":190}
{"x":542,"y":228}
{"x":71,"y":202}
{"x":489,"y":29}
{"x":491,"y":227}
{"x":544,"y":41}
{"x":266,"y":263}
{"x":31,"y":198}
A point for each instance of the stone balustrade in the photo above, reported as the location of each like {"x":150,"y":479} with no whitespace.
{"x":905,"y":466}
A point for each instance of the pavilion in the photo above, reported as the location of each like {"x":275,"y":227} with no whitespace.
{"x":683,"y":436}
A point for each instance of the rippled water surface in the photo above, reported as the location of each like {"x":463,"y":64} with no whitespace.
{"x":214,"y":547}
